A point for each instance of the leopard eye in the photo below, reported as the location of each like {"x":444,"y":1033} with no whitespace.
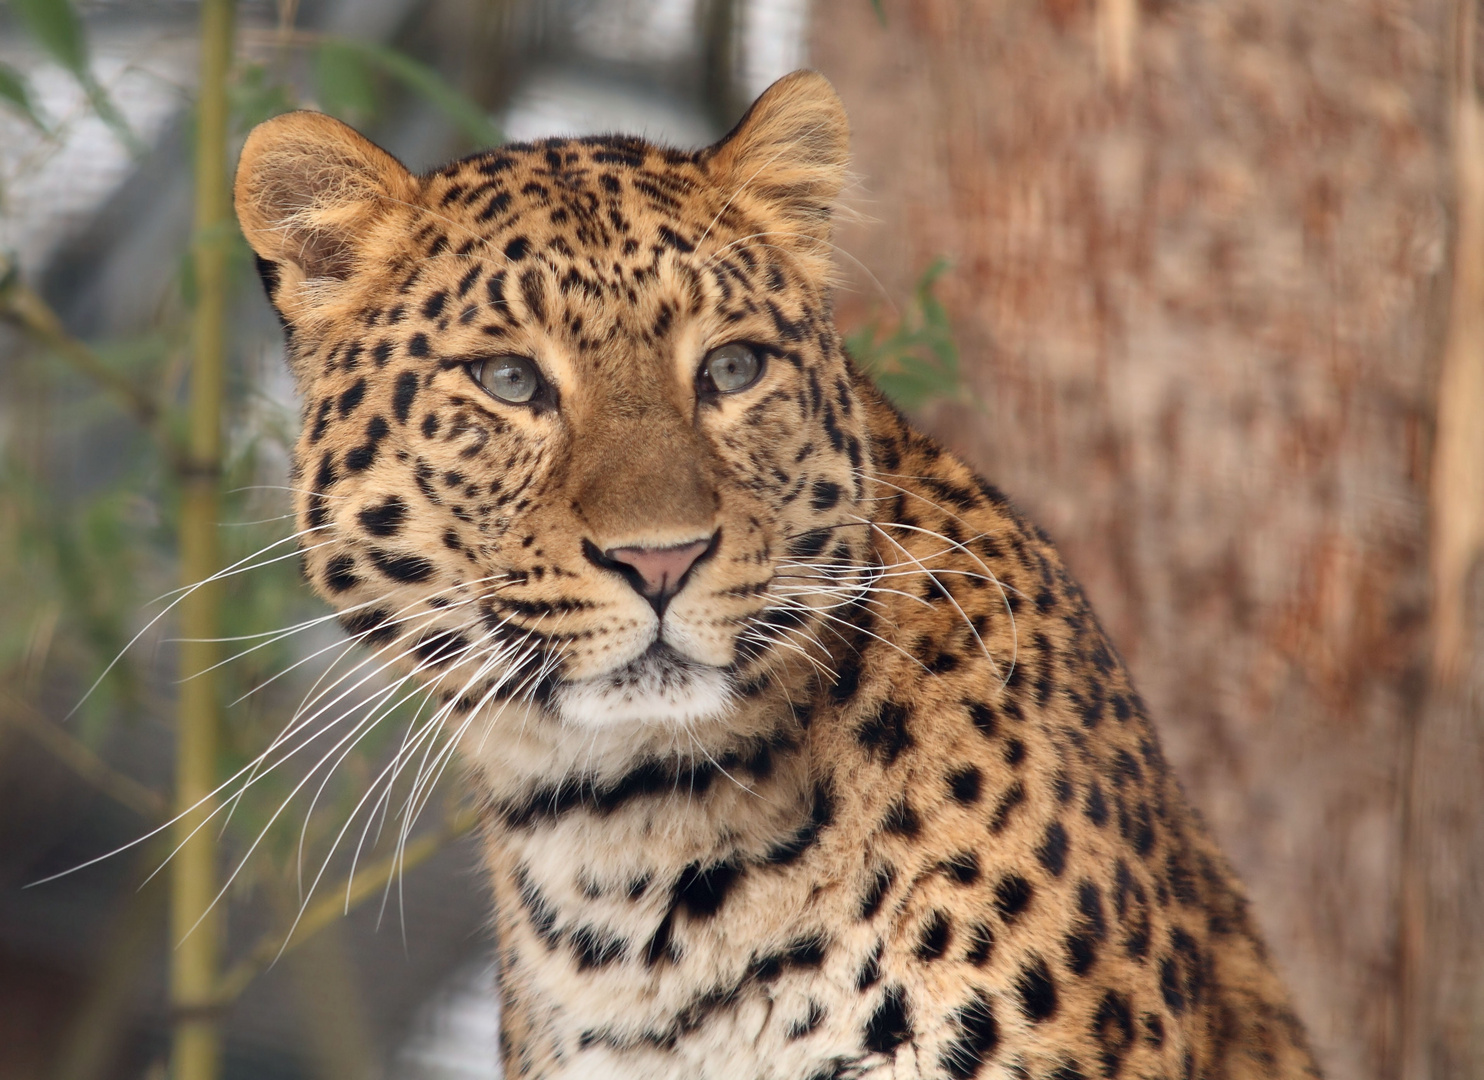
{"x":513,"y":379}
{"x":731,"y":367}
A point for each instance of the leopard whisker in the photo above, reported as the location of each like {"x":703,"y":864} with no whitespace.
{"x":951,"y":599}
{"x":183,"y":593}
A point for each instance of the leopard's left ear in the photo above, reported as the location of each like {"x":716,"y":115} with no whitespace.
{"x":791,"y":150}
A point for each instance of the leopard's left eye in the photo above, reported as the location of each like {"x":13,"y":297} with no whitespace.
{"x":730,"y":367}
{"x":512,"y":379}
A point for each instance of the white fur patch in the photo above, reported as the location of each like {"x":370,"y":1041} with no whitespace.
{"x":658,"y":687}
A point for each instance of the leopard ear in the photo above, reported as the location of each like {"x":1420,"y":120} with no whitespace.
{"x":308,"y":189}
{"x":792,"y":150}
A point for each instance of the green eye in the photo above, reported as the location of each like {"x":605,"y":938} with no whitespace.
{"x":509,"y":378}
{"x":731,"y":367}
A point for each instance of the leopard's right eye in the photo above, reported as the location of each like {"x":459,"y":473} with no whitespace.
{"x":512,"y":379}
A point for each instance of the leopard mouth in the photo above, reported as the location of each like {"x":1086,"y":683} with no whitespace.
{"x":660,"y":685}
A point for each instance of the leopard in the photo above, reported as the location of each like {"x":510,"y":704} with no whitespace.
{"x":796,"y":751}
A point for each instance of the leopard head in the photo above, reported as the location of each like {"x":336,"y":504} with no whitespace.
{"x":577,"y":425}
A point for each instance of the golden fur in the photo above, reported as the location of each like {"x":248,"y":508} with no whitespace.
{"x":871,"y":794}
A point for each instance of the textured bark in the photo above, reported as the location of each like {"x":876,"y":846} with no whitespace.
{"x":1202,"y":265}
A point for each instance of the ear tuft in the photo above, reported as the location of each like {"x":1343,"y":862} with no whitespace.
{"x":307,"y":188}
{"x":791,"y":149}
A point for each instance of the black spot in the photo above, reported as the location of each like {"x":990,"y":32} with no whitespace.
{"x":440,"y":647}
{"x":876,"y":892}
{"x":981,"y":944}
{"x":339,"y":575}
{"x":418,"y":346}
{"x":964,"y":785}
{"x":372,"y":627}
{"x":808,"y":544}
{"x":870,"y":972}
{"x":404,"y":395}
{"x":1037,"y":990}
{"x":847,"y":679}
{"x":1012,"y":895}
{"x":430,"y":425}
{"x":962,"y":867}
{"x":884,"y":733}
{"x":1064,"y":788}
{"x":798,"y":1029}
{"x":1052,"y":853}
{"x":352,"y":397}
{"x":433,"y":305}
{"x":594,"y":948}
{"x":891,"y":1024}
{"x":384,"y":518}
{"x":1169,"y":985}
{"x":496,"y":205}
{"x":821,"y":816}
{"x":901,"y":819}
{"x":533,"y":292}
{"x":977,"y":1036}
{"x":984,"y":718}
{"x":1091,"y":929}
{"x":701,"y":890}
{"x":804,"y":952}
{"x":359,"y":459}
{"x":1014,"y":752}
{"x":932,"y":940}
{"x":1154,"y":1029}
{"x":542,"y":914}
{"x":660,"y":945}
{"x":321,"y":420}
{"x":516,"y":250}
{"x":1096,"y":807}
{"x":1113,"y":1028}
{"x":400,"y":567}
{"x":1013,"y":797}
{"x":467,"y":281}
{"x":824,"y":495}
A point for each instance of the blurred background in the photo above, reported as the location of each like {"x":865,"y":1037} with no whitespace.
{"x":1200,"y":284}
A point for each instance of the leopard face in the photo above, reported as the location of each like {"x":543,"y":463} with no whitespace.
{"x":578,"y":429}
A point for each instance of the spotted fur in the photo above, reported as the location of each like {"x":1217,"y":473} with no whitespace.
{"x":873,"y":795}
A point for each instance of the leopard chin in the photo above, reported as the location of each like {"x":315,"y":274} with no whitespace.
{"x":659,"y":686}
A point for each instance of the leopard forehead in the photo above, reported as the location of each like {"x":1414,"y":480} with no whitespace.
{"x":603,"y":258}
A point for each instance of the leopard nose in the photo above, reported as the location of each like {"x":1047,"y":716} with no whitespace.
{"x":656,"y":573}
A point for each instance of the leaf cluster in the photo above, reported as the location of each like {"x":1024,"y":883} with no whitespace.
{"x":916,"y":362}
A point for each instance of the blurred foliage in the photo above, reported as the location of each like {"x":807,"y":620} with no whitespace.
{"x":90,"y":503}
{"x":54,"y":25}
{"x":916,"y":362}
{"x":16,"y":92}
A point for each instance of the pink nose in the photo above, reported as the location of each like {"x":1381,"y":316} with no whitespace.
{"x":660,"y":568}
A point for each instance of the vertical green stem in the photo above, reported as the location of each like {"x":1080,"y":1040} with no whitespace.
{"x":193,"y":971}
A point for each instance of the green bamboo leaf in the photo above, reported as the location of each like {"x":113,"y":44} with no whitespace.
{"x":465,"y":113}
{"x":57,"y":29}
{"x":257,"y":96}
{"x":15,"y":91}
{"x":344,"y":80}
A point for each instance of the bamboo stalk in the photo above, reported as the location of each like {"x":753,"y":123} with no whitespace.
{"x":195,"y":922}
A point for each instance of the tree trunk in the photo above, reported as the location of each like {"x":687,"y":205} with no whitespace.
{"x":1204,"y":257}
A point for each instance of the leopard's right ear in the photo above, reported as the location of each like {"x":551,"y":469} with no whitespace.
{"x":308,"y":190}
